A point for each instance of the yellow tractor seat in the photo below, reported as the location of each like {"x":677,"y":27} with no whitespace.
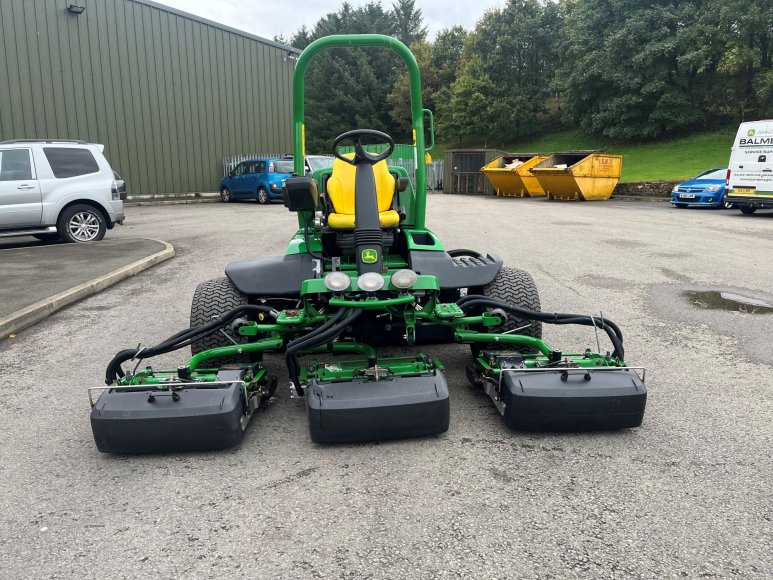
{"x":340,"y":192}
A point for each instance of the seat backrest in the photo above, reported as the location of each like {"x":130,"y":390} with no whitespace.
{"x":340,"y":186}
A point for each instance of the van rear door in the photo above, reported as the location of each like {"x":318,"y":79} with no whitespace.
{"x":751,"y":161}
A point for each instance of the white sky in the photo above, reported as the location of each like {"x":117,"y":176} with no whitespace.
{"x":269,"y":17}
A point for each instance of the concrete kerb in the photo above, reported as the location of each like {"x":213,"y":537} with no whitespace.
{"x":171,"y":198}
{"x":44,"y":308}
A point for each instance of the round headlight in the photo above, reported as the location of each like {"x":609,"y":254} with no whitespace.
{"x":404,"y":279}
{"x":370,"y":282}
{"x":337,"y":281}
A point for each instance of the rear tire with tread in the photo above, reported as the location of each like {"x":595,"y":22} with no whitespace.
{"x":516,"y":287}
{"x":211,"y":299}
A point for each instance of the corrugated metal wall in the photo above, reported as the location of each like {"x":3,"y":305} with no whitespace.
{"x":169,"y":96}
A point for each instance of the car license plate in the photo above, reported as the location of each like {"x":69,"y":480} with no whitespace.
{"x":743,"y":190}
{"x":686,"y":196}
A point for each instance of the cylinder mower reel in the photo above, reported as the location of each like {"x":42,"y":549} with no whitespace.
{"x":361,"y":272}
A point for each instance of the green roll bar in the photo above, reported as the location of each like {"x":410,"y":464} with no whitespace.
{"x":417,"y":115}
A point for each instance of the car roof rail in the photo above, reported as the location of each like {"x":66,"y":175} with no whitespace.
{"x":74,"y":141}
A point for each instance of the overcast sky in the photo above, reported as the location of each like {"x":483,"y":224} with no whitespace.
{"x":269,"y":17}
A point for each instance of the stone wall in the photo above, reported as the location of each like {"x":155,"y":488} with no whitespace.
{"x":645,"y":189}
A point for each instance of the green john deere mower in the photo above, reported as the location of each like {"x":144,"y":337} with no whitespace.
{"x":362,"y":271}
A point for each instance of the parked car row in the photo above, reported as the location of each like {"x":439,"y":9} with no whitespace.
{"x":746,"y":183}
{"x":59,"y":189}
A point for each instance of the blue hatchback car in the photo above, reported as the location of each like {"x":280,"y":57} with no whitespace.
{"x":259,"y":179}
{"x":708,"y":188}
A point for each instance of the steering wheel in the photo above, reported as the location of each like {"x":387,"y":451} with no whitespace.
{"x":360,"y":155}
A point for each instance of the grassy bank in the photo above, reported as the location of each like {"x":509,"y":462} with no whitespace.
{"x":674,"y":159}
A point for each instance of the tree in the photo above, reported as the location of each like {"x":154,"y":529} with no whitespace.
{"x":347,"y":89}
{"x":400,"y":97}
{"x":446,"y":54}
{"x":733,"y":43}
{"x":505,"y":75}
{"x":408,"y":22}
{"x":438,"y":63}
{"x":624,"y":73}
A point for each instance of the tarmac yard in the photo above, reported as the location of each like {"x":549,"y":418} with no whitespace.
{"x":686,"y":495}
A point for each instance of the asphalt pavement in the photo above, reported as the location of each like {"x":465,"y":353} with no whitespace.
{"x":686,"y":495}
{"x":40,"y":278}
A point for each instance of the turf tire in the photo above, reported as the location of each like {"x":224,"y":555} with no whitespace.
{"x":517,"y":287}
{"x":214,"y":298}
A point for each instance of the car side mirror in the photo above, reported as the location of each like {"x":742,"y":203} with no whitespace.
{"x":300,"y":194}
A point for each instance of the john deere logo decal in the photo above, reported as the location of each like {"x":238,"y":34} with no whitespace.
{"x":751,"y":132}
{"x":369,"y":256}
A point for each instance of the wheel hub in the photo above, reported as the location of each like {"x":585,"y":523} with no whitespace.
{"x":83,"y":226}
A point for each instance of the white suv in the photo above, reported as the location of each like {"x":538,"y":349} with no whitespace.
{"x":58,"y":189}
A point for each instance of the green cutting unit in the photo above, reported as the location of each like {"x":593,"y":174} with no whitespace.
{"x":362,"y":272}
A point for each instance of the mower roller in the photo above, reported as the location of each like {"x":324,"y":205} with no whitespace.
{"x":362,"y":271}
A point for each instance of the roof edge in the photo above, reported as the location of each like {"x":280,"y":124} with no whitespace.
{"x":214,"y":24}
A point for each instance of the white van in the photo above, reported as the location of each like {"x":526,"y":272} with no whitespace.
{"x":750,"y":171}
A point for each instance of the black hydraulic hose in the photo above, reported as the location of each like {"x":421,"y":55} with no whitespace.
{"x":551,"y":318}
{"x":554,"y":318}
{"x":180,"y":339}
{"x":465,"y":299}
{"x":315,"y":338}
{"x":292,"y":361}
{"x":327,"y":324}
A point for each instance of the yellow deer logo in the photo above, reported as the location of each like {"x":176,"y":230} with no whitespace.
{"x":369,"y":256}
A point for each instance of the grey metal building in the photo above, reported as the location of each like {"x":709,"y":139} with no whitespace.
{"x":168,"y":94}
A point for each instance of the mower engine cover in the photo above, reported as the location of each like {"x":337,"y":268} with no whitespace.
{"x":189,"y":418}
{"x":366,"y":410}
{"x":573,"y":399}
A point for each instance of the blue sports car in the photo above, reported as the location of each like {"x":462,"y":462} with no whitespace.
{"x":708,"y":188}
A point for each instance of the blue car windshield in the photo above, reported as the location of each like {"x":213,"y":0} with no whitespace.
{"x":283,"y":166}
{"x":716,"y":174}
